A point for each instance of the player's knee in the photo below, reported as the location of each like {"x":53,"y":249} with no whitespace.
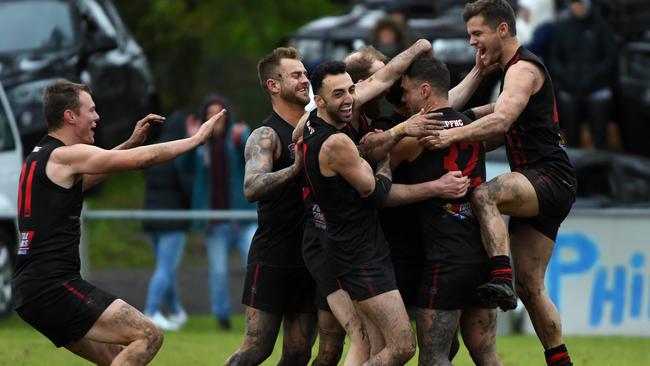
{"x":405,"y":346}
{"x":482,"y":197}
{"x":526,"y":287}
{"x":154,"y":338}
{"x":329,"y":356}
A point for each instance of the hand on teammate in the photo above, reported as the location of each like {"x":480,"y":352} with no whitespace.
{"x":437,"y":139}
{"x":423,"y":123}
{"x":452,"y":185}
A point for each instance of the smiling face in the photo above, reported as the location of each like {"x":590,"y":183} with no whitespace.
{"x":337,"y":98}
{"x":487,"y":40}
{"x":292,"y":81}
{"x":86,"y":120}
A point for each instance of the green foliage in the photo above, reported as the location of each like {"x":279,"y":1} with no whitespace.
{"x":200,"y":343}
{"x":197,"y":47}
{"x":118,"y":243}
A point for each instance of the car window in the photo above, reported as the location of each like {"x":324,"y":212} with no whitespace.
{"x":41,"y":24}
{"x":101,"y":19}
{"x":6,"y":138}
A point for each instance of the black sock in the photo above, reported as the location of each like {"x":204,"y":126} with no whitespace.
{"x":558,"y":356}
{"x":500,"y":270}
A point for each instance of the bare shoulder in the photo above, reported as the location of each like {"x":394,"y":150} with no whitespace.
{"x":262,"y":140}
{"x":526,"y":73}
{"x":338,"y":142}
{"x":66,"y":155}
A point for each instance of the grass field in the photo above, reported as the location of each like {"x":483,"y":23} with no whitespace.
{"x":200,"y":343}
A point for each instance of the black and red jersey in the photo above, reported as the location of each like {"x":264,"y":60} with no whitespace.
{"x":352,"y":234}
{"x":533,"y":141}
{"x":280,"y":218}
{"x":49,"y":224}
{"x":449,"y":230}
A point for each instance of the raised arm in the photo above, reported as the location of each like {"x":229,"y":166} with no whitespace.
{"x":138,"y":137}
{"x":381,"y":80}
{"x":260,"y":181}
{"x":461,"y":93}
{"x":522,"y":80}
{"x":68,"y":162}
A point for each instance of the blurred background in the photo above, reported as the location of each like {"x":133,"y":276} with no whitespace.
{"x":166,"y":55}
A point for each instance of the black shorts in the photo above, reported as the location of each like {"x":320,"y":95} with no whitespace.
{"x":369,"y":281}
{"x":318,"y":265}
{"x":407,"y":278}
{"x":279,"y":290}
{"x":451,"y":286}
{"x":555,"y":200}
{"x":66,"y":313}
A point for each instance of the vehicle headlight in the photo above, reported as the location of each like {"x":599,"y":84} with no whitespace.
{"x":453,"y":50}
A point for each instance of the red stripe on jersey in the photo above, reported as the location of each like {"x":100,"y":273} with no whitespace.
{"x":20,"y":188}
{"x":28,"y":190}
{"x":556,"y":117}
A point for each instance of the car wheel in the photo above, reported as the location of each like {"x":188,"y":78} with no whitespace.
{"x":6,"y":271}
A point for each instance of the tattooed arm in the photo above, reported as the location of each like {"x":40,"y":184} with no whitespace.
{"x":260,"y":181}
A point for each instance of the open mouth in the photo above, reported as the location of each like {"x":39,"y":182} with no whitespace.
{"x":346,"y":110}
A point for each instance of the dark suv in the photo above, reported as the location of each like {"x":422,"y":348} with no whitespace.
{"x":79,"y":40}
{"x":441,"y":22}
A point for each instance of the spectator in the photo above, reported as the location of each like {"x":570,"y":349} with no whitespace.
{"x":218,"y":171}
{"x":390,"y":37}
{"x":167,"y":188}
{"x":535,"y":24}
{"x":583,"y":55}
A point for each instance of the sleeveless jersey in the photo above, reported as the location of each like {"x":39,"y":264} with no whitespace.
{"x":48,"y":219}
{"x":533,"y":141}
{"x":353,"y":237}
{"x":278,"y":239}
{"x":450,"y":232}
{"x":400,"y":223}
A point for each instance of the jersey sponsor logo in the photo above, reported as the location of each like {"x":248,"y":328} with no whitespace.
{"x":25,"y":242}
{"x":319,"y":217}
{"x":454,"y":123}
{"x":460,"y":211}
{"x":36,"y":148}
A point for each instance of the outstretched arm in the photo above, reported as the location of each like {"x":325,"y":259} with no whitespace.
{"x":381,"y":80}
{"x":138,"y":137}
{"x":68,"y":162}
{"x":522,"y":80}
{"x":377,"y":144}
{"x":260,"y":181}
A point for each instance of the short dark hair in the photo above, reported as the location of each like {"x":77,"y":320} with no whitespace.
{"x":358,"y":63}
{"x":321,"y":71}
{"x":430,"y":70}
{"x":58,"y":97}
{"x":495,"y":12}
{"x":267,"y":66}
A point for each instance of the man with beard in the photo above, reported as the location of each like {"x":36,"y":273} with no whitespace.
{"x":455,"y":263}
{"x":540,"y":190}
{"x":278,"y":288}
{"x":346,"y":195}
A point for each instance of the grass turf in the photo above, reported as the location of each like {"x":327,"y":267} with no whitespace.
{"x":200,"y":343}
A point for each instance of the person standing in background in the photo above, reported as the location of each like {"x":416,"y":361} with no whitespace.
{"x":583,"y":55}
{"x":218,"y":171}
{"x":167,"y":188}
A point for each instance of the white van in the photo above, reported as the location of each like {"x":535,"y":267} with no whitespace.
{"x":10,"y":165}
